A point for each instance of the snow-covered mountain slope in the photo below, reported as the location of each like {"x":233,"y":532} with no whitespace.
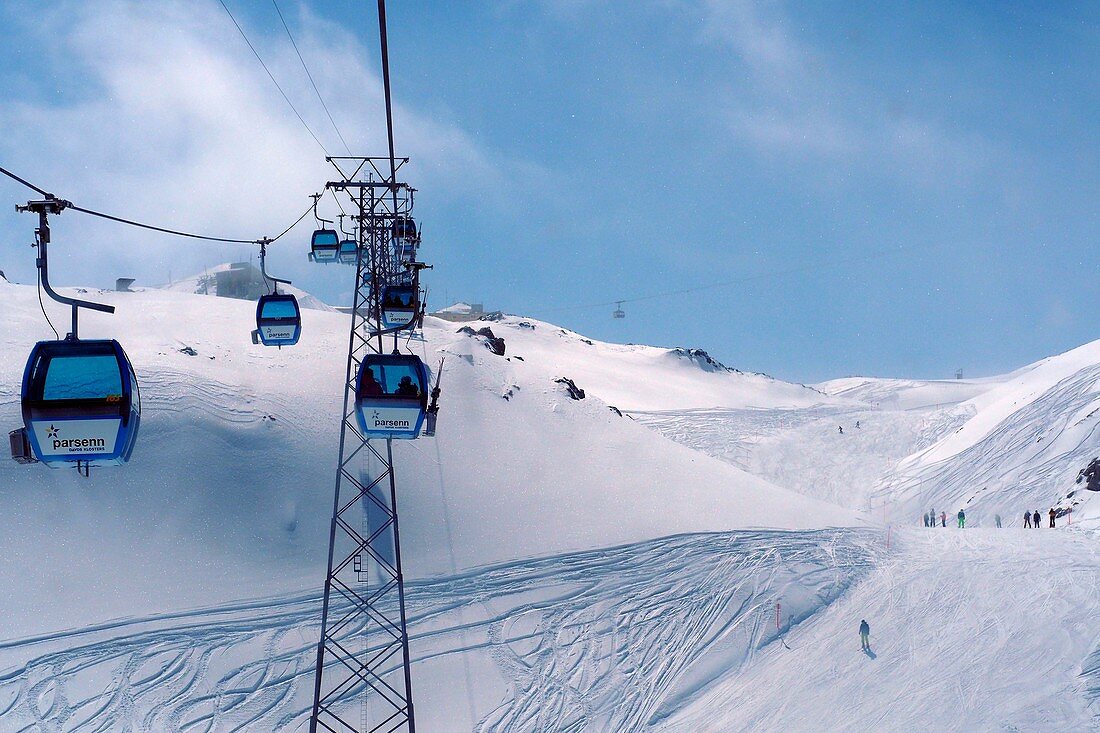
{"x":229,"y":491}
{"x":604,"y":640}
{"x":993,"y":446}
{"x":978,"y":630}
{"x":838,"y":450}
{"x":804,"y":449}
{"x":572,"y":569}
{"x":907,"y":394}
{"x":1021,"y":446}
{"x":634,"y":377}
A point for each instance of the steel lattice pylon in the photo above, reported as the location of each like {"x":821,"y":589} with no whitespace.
{"x":363,"y":681}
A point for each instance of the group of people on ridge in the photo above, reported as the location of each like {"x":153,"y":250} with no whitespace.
{"x":1031,"y":519}
{"x":1034,"y":520}
{"x":930,"y":518}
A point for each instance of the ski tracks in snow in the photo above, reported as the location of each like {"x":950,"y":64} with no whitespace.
{"x":972,"y":630}
{"x":600,"y":640}
{"x":1029,"y":459}
{"x":801,"y":448}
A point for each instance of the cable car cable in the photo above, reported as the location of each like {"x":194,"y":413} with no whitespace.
{"x":311,"y":81}
{"x":287,"y":230}
{"x":272,"y":77}
{"x":386,"y":88}
{"x":163,"y":230}
{"x":338,"y":204}
{"x":177,"y":233}
{"x":129,"y":222}
{"x":29,"y":185}
{"x":386,"y":85}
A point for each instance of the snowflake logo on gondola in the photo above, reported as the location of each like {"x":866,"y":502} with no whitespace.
{"x":51,"y":432}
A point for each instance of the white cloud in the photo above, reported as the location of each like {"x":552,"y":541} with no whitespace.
{"x":757,"y":31}
{"x":795,"y":104}
{"x":163,"y":114}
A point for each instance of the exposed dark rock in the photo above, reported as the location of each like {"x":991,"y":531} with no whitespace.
{"x":616,"y":410}
{"x":708,"y":363}
{"x":702,"y":359}
{"x":526,"y":324}
{"x":574,"y":391}
{"x":494,"y":316}
{"x":1090,"y":474}
{"x":492,"y":342}
{"x":587,"y":341}
{"x":508,"y":395}
{"x":189,"y":351}
{"x":521,"y":358}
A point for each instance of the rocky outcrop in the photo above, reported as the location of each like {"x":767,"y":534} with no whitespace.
{"x":1090,"y":474}
{"x":574,"y":391}
{"x":491,"y":341}
{"x":702,"y":359}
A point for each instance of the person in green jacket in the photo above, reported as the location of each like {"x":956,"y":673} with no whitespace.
{"x":962,"y":519}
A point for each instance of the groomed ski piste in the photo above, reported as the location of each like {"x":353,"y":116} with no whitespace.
{"x":696,"y":559}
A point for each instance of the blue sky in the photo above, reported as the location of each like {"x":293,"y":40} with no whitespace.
{"x":871,"y":188}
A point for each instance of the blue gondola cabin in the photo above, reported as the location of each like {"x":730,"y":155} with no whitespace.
{"x":324,"y":246}
{"x":399,"y":305}
{"x":80,"y":403}
{"x":278,"y":320}
{"x":391,"y":396}
{"x":349,"y":252}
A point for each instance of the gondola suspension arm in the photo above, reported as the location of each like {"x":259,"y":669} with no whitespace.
{"x":45,"y":207}
{"x":317,"y":197}
{"x":263,"y":266}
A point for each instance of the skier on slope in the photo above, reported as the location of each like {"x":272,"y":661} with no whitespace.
{"x":864,"y":635}
{"x":997,"y":520}
{"x":962,"y":519}
{"x":1053,"y":514}
{"x":943,"y":520}
{"x":1027,"y":519}
{"x":1036,"y":520}
{"x":932,"y":517}
{"x":840,"y":428}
